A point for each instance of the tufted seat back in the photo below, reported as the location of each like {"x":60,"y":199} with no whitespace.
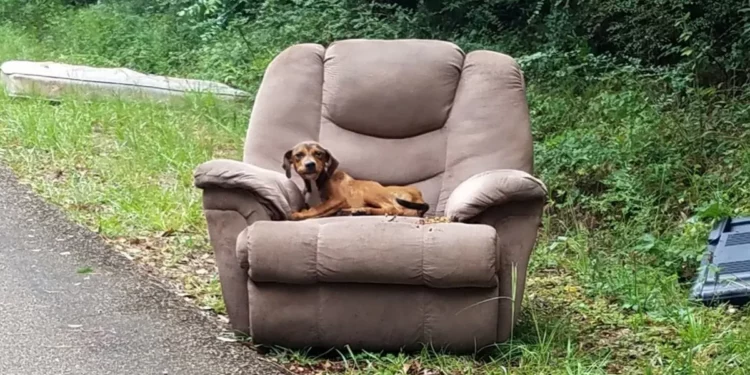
{"x":400,"y":112}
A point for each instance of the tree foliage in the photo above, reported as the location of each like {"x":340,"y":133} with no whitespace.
{"x":707,"y":37}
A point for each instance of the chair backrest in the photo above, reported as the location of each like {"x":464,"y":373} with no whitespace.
{"x":399,"y":112}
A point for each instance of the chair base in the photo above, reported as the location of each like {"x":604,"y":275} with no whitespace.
{"x":373,"y":317}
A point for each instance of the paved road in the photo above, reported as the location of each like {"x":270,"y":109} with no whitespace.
{"x":116,"y":320}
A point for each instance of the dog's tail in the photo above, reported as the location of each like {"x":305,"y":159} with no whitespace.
{"x":421,"y":207}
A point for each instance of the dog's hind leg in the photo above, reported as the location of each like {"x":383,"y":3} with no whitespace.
{"x":327,"y":208}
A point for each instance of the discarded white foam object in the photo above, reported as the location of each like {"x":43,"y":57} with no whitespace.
{"x":54,"y":80}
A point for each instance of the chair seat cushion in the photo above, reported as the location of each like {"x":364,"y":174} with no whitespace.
{"x":375,"y":250}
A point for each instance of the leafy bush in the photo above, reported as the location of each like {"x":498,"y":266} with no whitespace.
{"x":33,"y":15}
{"x":708,"y":38}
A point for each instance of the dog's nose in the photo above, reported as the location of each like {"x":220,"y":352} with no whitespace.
{"x":310,"y":166}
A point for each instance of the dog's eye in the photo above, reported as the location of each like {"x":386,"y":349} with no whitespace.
{"x":318,"y":154}
{"x":300,"y":155}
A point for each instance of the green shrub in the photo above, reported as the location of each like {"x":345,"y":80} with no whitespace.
{"x":708,"y":38}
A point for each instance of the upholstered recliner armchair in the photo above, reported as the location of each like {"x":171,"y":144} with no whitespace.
{"x":400,"y":112}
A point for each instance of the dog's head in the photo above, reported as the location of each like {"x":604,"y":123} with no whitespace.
{"x":310,"y":160}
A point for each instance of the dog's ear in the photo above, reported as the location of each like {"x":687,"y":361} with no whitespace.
{"x":331,"y":163}
{"x":287,"y":164}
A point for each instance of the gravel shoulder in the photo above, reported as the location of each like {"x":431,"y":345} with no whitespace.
{"x":71,"y":305}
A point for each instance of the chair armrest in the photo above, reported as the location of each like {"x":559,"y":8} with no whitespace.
{"x":492,"y":188}
{"x":278,"y":194}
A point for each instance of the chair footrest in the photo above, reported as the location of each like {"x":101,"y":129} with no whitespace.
{"x":374,"y":250}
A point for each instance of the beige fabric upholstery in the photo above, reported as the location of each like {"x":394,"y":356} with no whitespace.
{"x":276,"y":192}
{"x":228,"y":212}
{"x":373,"y":317}
{"x":492,"y":188}
{"x":365,"y":91}
{"x":406,"y":253}
{"x":422,"y":112}
{"x":439,"y":115}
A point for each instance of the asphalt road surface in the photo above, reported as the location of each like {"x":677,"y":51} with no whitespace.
{"x":113,"y":320}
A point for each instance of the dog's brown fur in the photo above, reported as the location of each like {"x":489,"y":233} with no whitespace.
{"x":342,"y":194}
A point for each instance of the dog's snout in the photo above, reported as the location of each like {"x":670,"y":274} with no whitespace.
{"x":310,"y":166}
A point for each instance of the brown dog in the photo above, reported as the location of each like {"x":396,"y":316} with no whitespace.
{"x":342,"y":194}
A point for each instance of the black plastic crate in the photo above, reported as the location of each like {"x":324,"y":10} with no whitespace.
{"x":725,"y":269}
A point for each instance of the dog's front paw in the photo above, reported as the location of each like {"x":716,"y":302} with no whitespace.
{"x":296,"y":216}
